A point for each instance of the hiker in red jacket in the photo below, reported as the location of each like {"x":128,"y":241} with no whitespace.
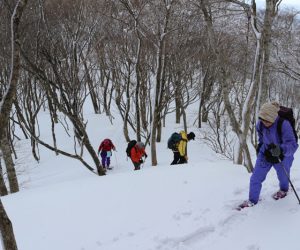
{"x":106,"y":146}
{"x":136,"y":154}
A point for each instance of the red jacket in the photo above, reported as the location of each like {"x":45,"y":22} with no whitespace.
{"x":137,"y":153}
{"x":106,"y":145}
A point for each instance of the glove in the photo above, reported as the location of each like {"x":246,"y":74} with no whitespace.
{"x":141,"y":161}
{"x":270,"y":158}
{"x":275,"y":150}
{"x":273,"y":154}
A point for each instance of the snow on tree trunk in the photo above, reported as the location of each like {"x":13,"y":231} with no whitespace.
{"x":7,"y":234}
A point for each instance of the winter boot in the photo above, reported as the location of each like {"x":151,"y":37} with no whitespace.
{"x":245,"y":204}
{"x":279,"y":195}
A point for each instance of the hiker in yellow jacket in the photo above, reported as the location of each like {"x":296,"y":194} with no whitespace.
{"x":180,"y":154}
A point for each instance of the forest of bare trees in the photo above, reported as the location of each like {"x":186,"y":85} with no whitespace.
{"x":147,"y":59}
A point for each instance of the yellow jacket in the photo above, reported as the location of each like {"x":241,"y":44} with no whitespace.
{"x":182,"y":144}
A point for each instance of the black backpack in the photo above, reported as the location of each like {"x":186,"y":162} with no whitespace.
{"x":130,"y":145}
{"x":173,"y":140}
{"x":286,"y":113}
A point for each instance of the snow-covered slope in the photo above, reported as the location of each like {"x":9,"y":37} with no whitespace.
{"x":63,"y":206}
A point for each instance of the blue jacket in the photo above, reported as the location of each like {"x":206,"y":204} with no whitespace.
{"x":287,"y":143}
{"x":266,"y":136}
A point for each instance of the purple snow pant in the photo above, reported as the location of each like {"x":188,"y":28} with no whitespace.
{"x":262,"y":167}
{"x":104,"y":159}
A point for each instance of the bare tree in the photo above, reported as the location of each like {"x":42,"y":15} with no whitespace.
{"x":151,"y":58}
{"x":60,"y":70}
{"x":260,"y":70}
{"x":6,"y":229}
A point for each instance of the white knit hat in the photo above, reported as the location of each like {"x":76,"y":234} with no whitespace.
{"x":269,"y":111}
{"x":140,"y":145}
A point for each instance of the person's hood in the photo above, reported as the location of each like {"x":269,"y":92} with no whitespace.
{"x":183,"y":135}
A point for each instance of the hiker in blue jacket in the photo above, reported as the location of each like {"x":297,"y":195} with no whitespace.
{"x":273,"y":151}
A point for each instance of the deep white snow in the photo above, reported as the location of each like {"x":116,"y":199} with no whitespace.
{"x":63,"y":206}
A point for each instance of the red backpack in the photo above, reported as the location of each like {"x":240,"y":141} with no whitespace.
{"x":106,"y":145}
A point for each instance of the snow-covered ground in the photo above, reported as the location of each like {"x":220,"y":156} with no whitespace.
{"x":63,"y":206}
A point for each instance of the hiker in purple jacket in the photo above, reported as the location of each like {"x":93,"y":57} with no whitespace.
{"x":273,"y":151}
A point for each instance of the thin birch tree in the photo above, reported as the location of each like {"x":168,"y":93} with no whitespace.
{"x":6,"y":229}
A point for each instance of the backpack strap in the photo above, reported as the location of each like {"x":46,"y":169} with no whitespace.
{"x":279,"y":128}
{"x":260,"y":128}
{"x":259,"y":131}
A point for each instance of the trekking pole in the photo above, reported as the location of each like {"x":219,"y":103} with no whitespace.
{"x":287,"y":175}
{"x":116,"y":159}
{"x":144,"y":162}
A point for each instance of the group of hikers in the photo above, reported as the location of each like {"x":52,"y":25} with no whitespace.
{"x":136,"y":150}
{"x":277,"y":143}
{"x":136,"y":153}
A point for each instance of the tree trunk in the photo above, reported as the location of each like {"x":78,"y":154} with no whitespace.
{"x":270,"y":13}
{"x":158,"y":94}
{"x":126,"y":115}
{"x":159,"y":130}
{"x":6,"y":229}
{"x":207,"y":88}
{"x":105,"y":93}
{"x":199,"y":114}
{"x":184,"y":119}
{"x":143,"y":105}
{"x":10,"y":94}
{"x":3,"y":189}
{"x":9,"y":164}
{"x":153,"y":137}
{"x":177,"y":101}
{"x":91,"y":87}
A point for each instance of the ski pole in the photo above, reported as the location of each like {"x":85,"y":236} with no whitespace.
{"x":142,"y":166}
{"x":287,"y":175}
{"x":144,"y":162}
{"x":116,"y":159}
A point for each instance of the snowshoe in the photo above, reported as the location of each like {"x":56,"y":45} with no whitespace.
{"x":279,"y":195}
{"x":244,"y":205}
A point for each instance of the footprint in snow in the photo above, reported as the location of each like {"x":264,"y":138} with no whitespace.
{"x":187,"y":213}
{"x":253,"y":247}
{"x":130,"y":234}
{"x":239,"y":191}
{"x":294,"y":210}
{"x":178,"y":216}
{"x":186,"y":240}
{"x":115,"y":239}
